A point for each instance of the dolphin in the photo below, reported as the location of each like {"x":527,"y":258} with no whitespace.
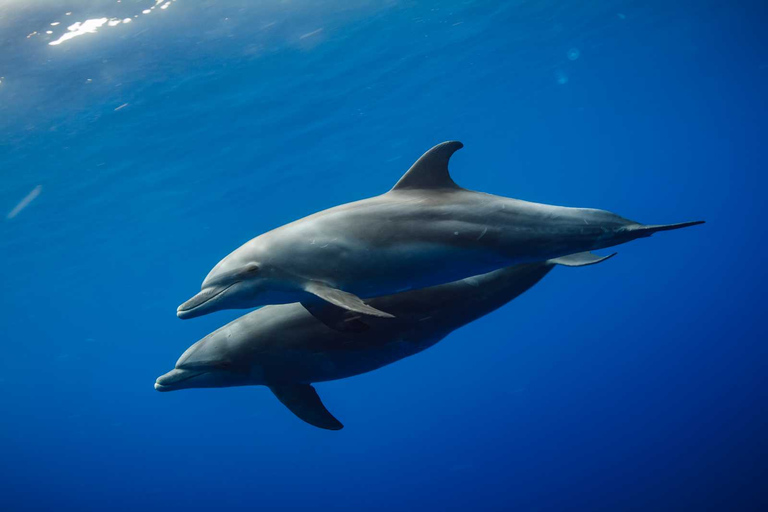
{"x":425,"y":231}
{"x":287,"y":349}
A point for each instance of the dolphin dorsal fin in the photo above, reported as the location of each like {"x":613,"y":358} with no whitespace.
{"x":431,"y":170}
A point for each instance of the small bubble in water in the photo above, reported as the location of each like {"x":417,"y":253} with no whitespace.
{"x":561,"y":77}
{"x":573,"y":54}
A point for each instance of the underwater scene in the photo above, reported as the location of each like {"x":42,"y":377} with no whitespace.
{"x":383,"y":255}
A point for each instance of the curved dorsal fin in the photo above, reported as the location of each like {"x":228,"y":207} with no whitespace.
{"x":431,"y":170}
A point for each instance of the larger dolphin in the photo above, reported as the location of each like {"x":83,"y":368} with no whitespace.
{"x":425,"y":231}
{"x":285,"y":348}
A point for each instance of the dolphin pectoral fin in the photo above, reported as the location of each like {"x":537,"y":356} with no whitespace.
{"x":303,"y":401}
{"x":431,"y":170}
{"x":342,"y":299}
{"x":580,"y":259}
{"x":335,"y":317}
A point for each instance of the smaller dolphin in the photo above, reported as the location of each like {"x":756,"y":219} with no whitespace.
{"x":425,"y":231}
{"x":287,"y":349}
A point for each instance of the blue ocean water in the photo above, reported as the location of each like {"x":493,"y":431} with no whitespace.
{"x":148,"y":150}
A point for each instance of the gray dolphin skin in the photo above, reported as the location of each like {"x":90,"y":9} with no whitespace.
{"x":287,"y":349}
{"x":425,"y":231}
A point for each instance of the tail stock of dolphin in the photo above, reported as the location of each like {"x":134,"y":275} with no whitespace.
{"x":641,"y":230}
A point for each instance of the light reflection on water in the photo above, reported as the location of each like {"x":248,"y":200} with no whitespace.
{"x":25,"y":202}
{"x":90,"y":26}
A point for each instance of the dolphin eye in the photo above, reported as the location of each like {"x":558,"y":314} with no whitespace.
{"x":251,"y":268}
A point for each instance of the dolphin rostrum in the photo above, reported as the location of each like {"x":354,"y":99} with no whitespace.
{"x":285,"y":348}
{"x":425,"y":231}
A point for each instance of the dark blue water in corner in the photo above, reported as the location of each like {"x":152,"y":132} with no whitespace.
{"x":153,"y":148}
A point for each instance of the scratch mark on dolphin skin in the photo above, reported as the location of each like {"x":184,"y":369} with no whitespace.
{"x":25,"y":202}
{"x":485,"y":230}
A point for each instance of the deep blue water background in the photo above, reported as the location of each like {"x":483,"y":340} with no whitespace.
{"x":638,"y":384}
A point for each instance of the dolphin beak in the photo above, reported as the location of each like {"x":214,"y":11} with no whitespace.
{"x":200,"y":304}
{"x":174,"y":379}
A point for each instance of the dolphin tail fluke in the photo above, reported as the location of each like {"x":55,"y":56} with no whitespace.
{"x":303,"y":401}
{"x":580,"y":259}
{"x":640,"y":230}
